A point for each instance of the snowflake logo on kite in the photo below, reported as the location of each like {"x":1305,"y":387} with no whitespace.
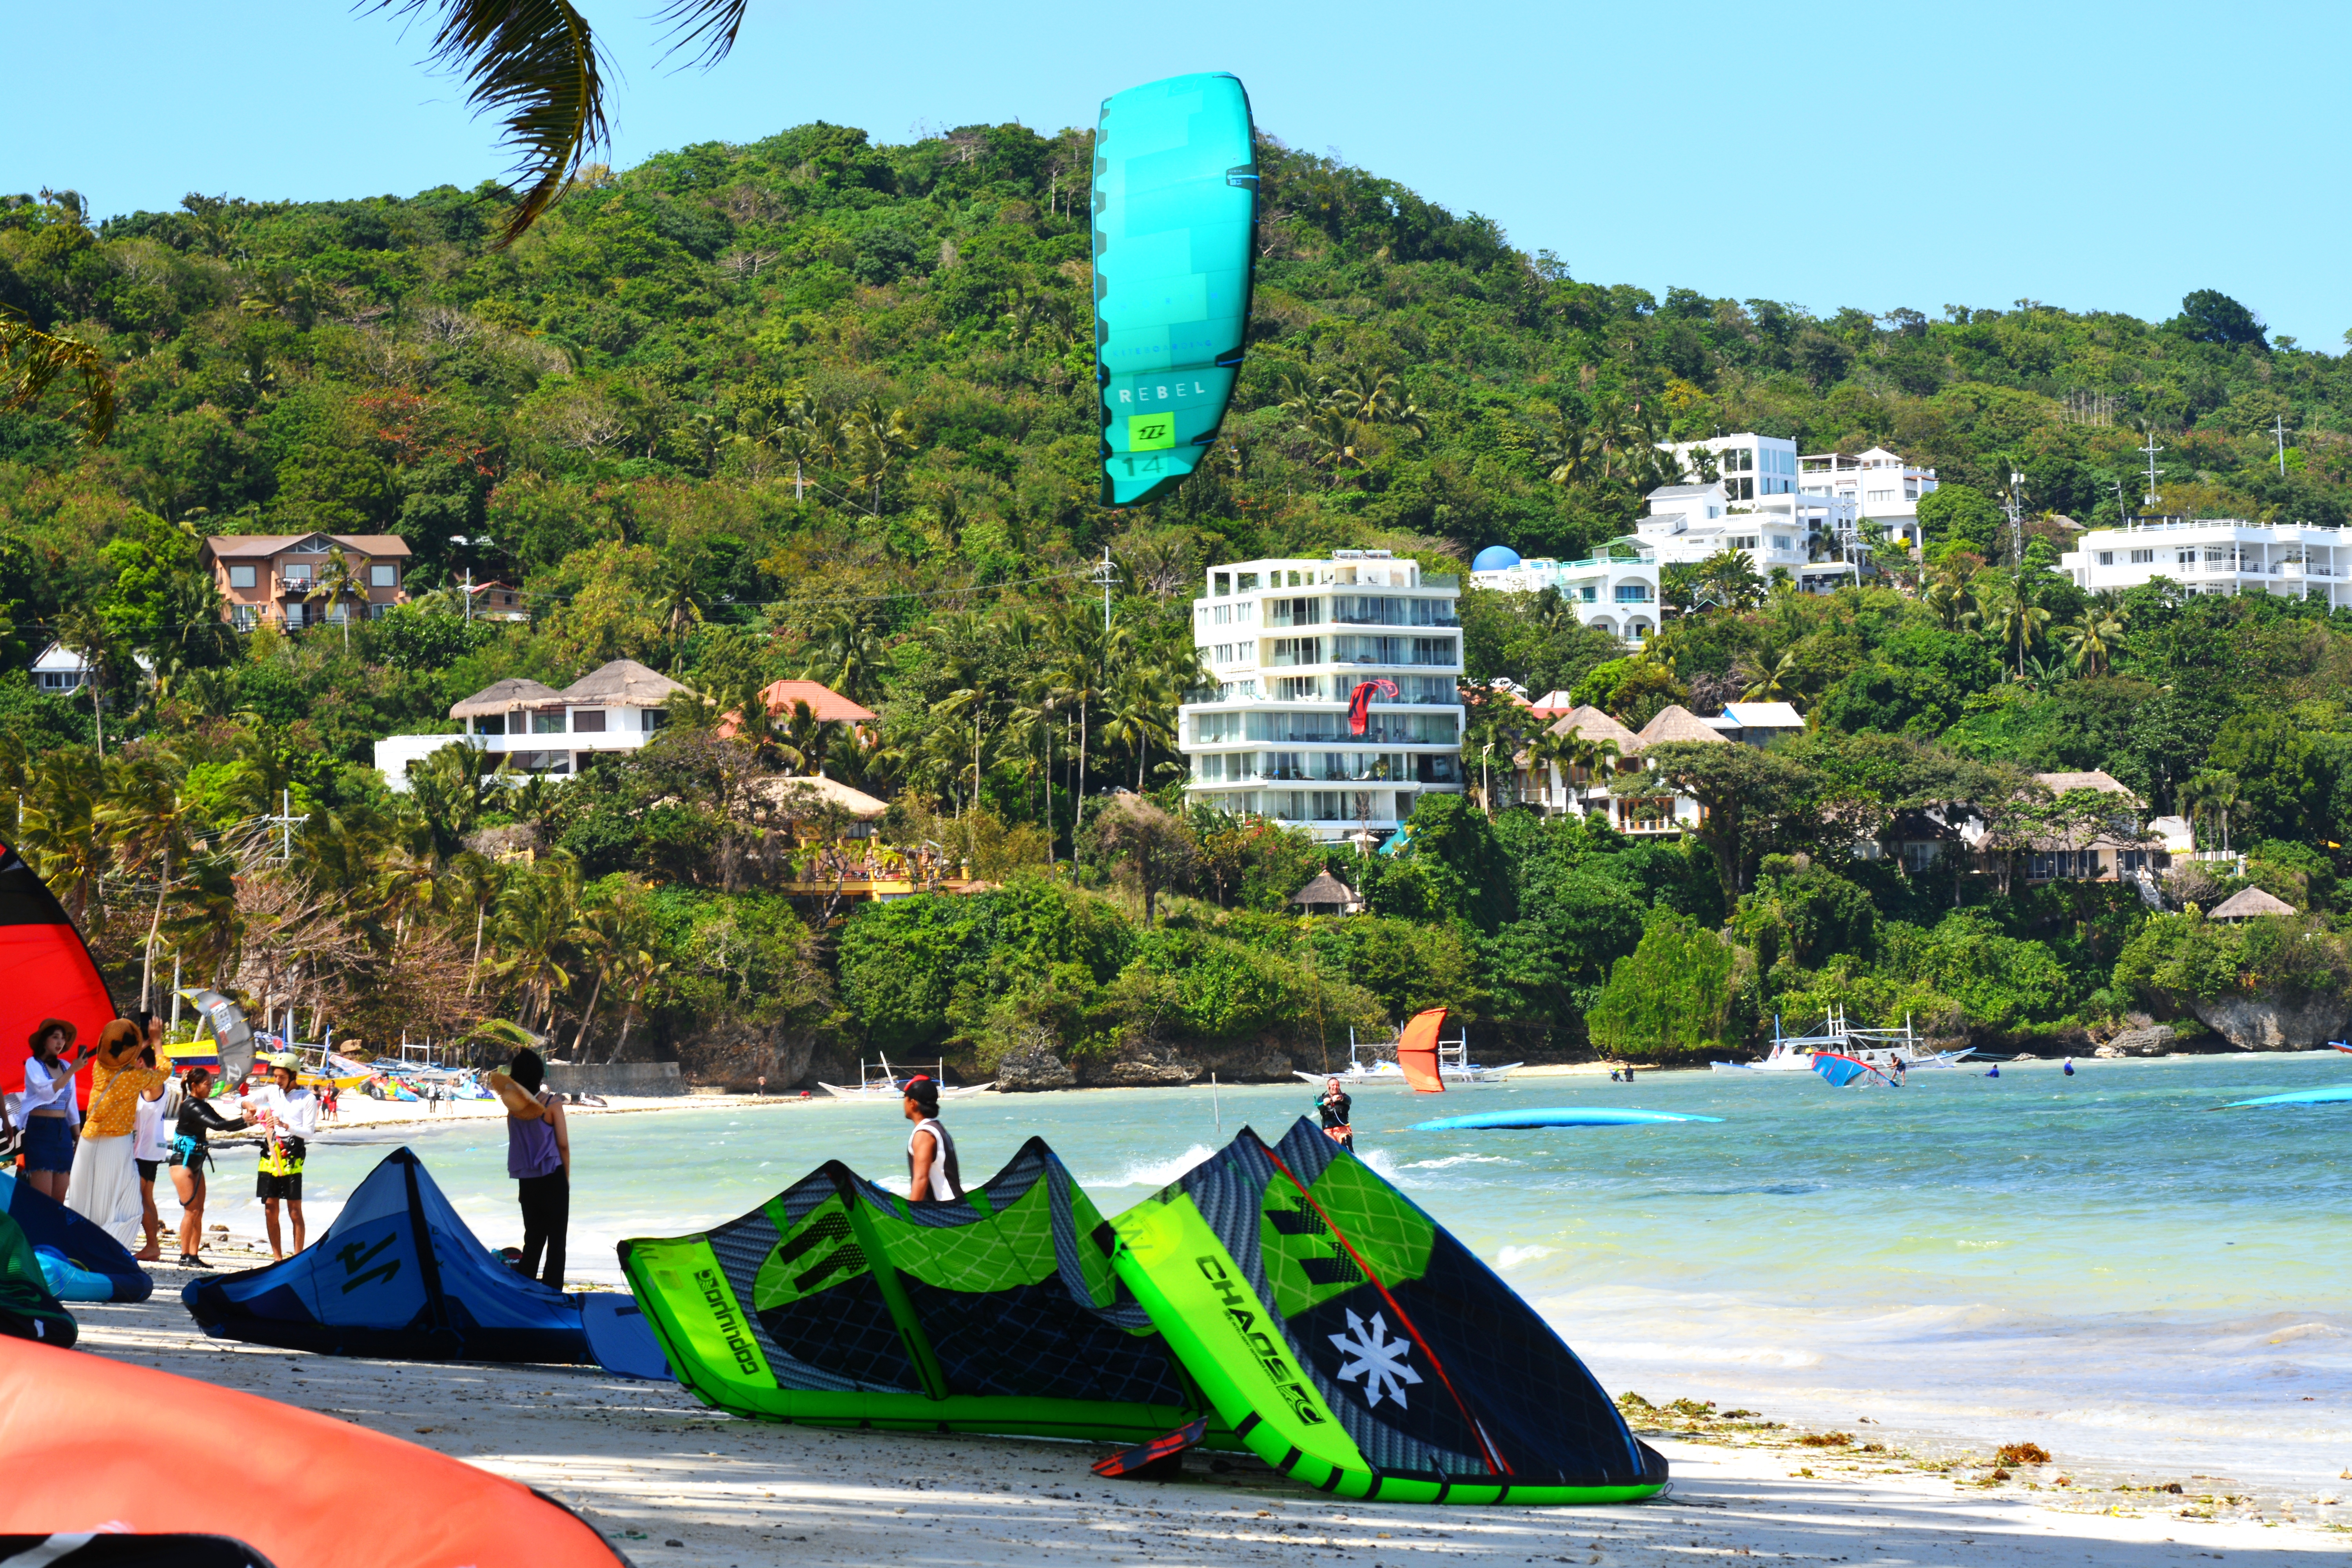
{"x":1378,"y":1359}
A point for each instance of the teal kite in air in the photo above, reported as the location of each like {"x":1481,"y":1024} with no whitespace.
{"x":1175,"y":206}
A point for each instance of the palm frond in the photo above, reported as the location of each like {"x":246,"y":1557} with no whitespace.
{"x":31,"y":360}
{"x":536,"y":65}
{"x":709,"y":27}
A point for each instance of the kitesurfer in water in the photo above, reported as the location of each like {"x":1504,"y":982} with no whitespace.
{"x":931,"y":1174}
{"x":1335,"y":1108}
{"x":2069,"y":1069}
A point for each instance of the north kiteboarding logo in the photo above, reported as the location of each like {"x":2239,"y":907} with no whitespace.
{"x":721,"y":1303}
{"x":1378,"y":1359}
{"x":1261,"y":1345}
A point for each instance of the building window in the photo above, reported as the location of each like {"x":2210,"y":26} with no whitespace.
{"x":296,"y":574}
{"x":382,"y":576}
{"x":1297,"y":650}
{"x":1222,"y":615}
{"x":1739,"y":489}
{"x":1249,"y":582}
{"x":376,"y":612}
{"x":1632,"y":592}
{"x":240,"y":576}
{"x":588,"y":722}
{"x":294,"y":614}
{"x":2107,"y":557}
{"x":245,"y":617}
{"x":1220,"y":582}
{"x":490,"y":724}
{"x":2143,"y":557}
{"x":547,"y":724}
{"x":1589,"y":592}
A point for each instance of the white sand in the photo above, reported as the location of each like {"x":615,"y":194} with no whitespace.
{"x":671,"y":1482}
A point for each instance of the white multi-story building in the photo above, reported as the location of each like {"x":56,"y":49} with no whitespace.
{"x":616,"y":707}
{"x":1618,"y":594}
{"x":1287,"y":642}
{"x":1883,"y":487}
{"x":2221,"y":555}
{"x":1810,"y":537}
{"x":1749,"y":466}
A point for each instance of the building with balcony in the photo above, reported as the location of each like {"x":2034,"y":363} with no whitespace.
{"x":1285,"y":643}
{"x":2221,"y":555}
{"x":276,"y":576}
{"x":616,"y":707}
{"x":1883,"y":489}
{"x":1748,"y":466}
{"x":1811,"y":538}
{"x":1618,"y":592}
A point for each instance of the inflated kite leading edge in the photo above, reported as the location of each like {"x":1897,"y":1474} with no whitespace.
{"x":1175,"y":219}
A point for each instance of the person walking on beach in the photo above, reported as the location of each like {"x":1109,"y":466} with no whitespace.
{"x":1335,"y":1107}
{"x":50,"y":1110}
{"x":290,"y":1115}
{"x":539,"y":1157}
{"x":190,"y":1153}
{"x":104,"y":1186}
{"x":932,"y":1175}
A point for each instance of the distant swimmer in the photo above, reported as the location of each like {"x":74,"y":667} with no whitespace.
{"x":1334,"y":1107}
{"x":2069,"y":1069}
{"x":1993,"y":1071}
{"x":932,"y":1176}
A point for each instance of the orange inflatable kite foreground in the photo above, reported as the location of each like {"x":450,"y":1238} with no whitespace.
{"x":85,"y":1427}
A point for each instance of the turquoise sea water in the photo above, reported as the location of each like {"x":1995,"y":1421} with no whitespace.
{"x":2103,"y":1264}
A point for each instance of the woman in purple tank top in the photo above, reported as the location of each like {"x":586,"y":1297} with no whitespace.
{"x":539,"y":1157}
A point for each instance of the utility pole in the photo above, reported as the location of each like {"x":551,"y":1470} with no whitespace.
{"x":1107,"y":577}
{"x":2016,"y":515}
{"x":2278,"y":428}
{"x":286,"y":819}
{"x":470,"y":592}
{"x":2150,"y":450}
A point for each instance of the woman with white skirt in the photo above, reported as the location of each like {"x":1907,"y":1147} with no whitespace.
{"x":105,"y":1185}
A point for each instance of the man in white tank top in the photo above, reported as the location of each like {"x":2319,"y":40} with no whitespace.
{"x":931,"y":1173}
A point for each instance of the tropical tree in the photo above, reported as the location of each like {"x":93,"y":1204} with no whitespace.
{"x":2018,"y":622}
{"x":2093,"y":640}
{"x":1949,"y":600}
{"x":2210,"y":793}
{"x":31,"y":361}
{"x":338,"y":580}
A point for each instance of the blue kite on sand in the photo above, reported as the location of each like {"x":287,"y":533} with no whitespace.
{"x":1558,"y":1116}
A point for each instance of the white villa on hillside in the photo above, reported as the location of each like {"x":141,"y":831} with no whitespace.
{"x":1883,"y":487}
{"x":1618,"y":594}
{"x":616,"y":707}
{"x":2223,"y":556}
{"x":1286,"y":643}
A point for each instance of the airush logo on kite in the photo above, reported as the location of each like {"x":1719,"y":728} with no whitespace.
{"x":1378,"y":1359}
{"x":1261,"y":1345}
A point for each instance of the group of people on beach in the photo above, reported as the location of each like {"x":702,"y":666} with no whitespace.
{"x":103,"y":1163}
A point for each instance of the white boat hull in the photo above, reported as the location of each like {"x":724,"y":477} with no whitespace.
{"x":894,"y":1096}
{"x":1390,"y":1073}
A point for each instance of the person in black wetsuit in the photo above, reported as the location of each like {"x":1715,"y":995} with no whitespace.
{"x":190,"y":1153}
{"x":1334,"y":1107}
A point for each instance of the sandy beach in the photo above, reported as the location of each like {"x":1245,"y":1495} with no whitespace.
{"x":670,"y":1482}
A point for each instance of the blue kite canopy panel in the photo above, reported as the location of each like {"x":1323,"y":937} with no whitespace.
{"x":2300,"y":1097}
{"x":50,"y":1227}
{"x":397,"y":1276}
{"x":1557,"y":1116}
{"x":1175,"y":217}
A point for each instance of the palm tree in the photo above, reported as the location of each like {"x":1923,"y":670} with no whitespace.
{"x":1592,"y":756}
{"x":636,"y":971}
{"x":844,"y":656}
{"x":1564,"y":443}
{"x":337,"y":579}
{"x":537,"y":918}
{"x":1770,"y":680}
{"x":874,"y":439}
{"x":2212,"y":792}
{"x":86,"y":632}
{"x":31,"y":361}
{"x":602,"y":935}
{"x":1953,"y":606}
{"x":2092,"y":640}
{"x":2019,"y":622}
{"x":1140,"y":712}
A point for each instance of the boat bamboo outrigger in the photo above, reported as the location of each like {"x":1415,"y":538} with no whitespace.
{"x":1883,"y":1050}
{"x":878,"y":1082}
{"x":1375,"y":1061}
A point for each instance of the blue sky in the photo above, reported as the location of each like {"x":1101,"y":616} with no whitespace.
{"x":2088,"y":154}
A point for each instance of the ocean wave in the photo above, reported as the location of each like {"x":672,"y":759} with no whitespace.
{"x":1155,"y":1172}
{"x":1452,"y":1160}
{"x":1512,"y":1257}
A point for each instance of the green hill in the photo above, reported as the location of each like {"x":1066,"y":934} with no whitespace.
{"x":812,"y":405}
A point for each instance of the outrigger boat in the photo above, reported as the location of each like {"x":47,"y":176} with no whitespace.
{"x":879,"y":1082}
{"x":1375,"y":1062}
{"x":1883,"y":1050}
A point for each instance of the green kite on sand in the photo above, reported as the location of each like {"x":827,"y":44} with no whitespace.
{"x":1283,"y":1299}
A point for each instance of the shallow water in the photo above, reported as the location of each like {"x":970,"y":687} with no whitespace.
{"x":2102,"y":1264}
